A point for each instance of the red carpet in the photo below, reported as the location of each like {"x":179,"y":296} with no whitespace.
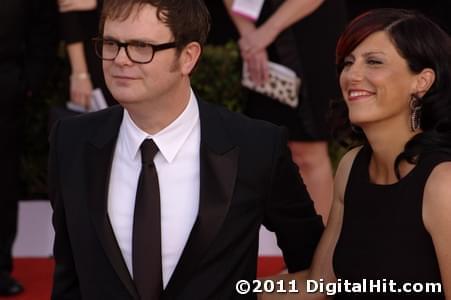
{"x":36,"y":275}
{"x":270,"y":265}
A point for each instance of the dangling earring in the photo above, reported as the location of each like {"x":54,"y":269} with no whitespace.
{"x":415,"y":113}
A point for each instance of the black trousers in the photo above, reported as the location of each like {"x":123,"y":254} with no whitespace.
{"x":11,"y":113}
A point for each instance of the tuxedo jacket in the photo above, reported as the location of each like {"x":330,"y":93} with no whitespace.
{"x":247,"y":178}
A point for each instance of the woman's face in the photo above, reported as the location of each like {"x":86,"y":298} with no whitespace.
{"x":376,"y":82}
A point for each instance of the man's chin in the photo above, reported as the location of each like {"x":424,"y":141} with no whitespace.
{"x":124,"y":97}
{"x":127,"y":101}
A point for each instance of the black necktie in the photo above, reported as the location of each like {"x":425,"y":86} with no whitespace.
{"x":146,"y":251}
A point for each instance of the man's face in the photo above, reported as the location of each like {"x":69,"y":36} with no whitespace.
{"x":131,"y":82}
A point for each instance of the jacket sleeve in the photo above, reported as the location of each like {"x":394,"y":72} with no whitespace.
{"x":289,"y":210}
{"x":65,"y":280}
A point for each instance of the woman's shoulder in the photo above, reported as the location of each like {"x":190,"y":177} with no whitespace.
{"x":344,"y":170}
{"x":345,"y":164}
{"x":437,"y":195}
{"x":439,"y":181}
{"x":434,"y":162}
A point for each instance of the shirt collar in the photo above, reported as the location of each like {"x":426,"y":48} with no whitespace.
{"x":169,"y":140}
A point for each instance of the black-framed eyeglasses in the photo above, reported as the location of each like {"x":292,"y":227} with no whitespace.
{"x":137,"y":51}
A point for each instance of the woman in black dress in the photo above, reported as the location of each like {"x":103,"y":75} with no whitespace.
{"x":300,"y":35}
{"x":390,"y":220}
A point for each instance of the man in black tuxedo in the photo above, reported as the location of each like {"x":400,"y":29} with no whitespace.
{"x":163,"y":196}
{"x":28,"y":45}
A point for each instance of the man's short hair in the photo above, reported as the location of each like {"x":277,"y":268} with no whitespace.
{"x":188,"y":20}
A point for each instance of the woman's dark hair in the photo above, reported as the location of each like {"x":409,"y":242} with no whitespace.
{"x":423,"y":44}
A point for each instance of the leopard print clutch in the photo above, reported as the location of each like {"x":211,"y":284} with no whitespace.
{"x":282,"y":85}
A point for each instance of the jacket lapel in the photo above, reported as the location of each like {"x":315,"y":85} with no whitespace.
{"x":218,"y":171}
{"x":99,"y":155}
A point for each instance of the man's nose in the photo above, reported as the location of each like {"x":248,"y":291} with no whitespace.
{"x":122,"y":57}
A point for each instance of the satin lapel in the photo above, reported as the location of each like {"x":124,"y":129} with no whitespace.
{"x":99,"y":155}
{"x":218,"y":171}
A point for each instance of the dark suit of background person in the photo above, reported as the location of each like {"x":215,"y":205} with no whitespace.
{"x":27,"y":47}
{"x":246,"y":178}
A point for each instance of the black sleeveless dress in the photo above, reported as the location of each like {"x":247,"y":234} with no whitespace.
{"x":383,"y":235}
{"x":308,"y":48}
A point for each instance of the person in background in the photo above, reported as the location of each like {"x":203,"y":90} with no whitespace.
{"x":222,"y":29}
{"x":79,"y":21}
{"x":299,"y":35}
{"x":27,"y":51}
{"x":390,"y":219}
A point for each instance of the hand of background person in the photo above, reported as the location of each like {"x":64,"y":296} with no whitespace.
{"x":256,"y":41}
{"x":81,"y":91}
{"x":257,"y":66}
{"x":76,"y":5}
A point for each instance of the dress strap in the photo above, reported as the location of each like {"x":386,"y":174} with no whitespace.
{"x":359,"y":170}
{"x":429,"y":161}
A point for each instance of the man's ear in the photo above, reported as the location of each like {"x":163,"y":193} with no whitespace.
{"x":189,"y":57}
{"x":424,"y":81}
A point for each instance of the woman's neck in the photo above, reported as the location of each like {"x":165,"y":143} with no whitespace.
{"x":386,"y":144}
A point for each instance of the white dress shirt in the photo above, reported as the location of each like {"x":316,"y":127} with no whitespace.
{"x":177,"y":165}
